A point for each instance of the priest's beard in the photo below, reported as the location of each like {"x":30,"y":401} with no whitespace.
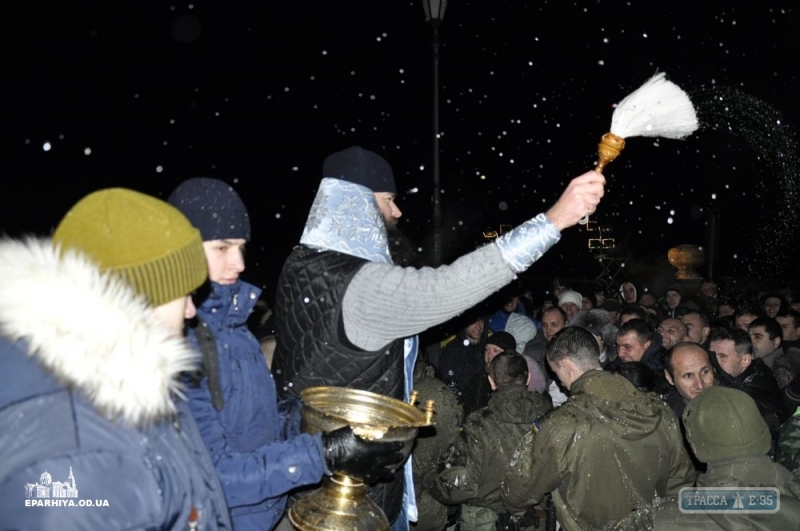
{"x":401,"y":248}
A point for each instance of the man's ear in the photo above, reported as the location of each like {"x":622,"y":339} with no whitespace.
{"x":747,"y":359}
{"x":669,"y":377}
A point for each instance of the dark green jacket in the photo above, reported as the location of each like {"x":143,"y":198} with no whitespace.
{"x":789,"y":444}
{"x":607,"y":451}
{"x":478,"y":459}
{"x":432,"y":443}
{"x":749,"y":471}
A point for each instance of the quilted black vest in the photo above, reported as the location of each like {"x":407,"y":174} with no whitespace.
{"x":312,"y":349}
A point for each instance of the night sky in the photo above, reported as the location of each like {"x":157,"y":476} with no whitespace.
{"x":145,"y":94}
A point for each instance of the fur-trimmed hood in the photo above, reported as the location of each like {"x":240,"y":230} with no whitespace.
{"x":598,"y":320}
{"x":90,"y":331}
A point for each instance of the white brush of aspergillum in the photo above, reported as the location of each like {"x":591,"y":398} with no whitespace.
{"x":657,"y":108}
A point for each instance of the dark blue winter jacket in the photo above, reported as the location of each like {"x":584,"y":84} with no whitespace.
{"x":255,"y":442}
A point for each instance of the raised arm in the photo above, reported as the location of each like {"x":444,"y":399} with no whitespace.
{"x":385,"y":302}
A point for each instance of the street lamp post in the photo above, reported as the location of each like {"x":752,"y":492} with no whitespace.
{"x":434,"y":14}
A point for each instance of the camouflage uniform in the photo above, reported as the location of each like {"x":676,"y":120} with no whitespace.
{"x":607,"y":451}
{"x":789,"y":444}
{"x":475,"y":466}
{"x":728,"y":432}
{"x":432,"y":444}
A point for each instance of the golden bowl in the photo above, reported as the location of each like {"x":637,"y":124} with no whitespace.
{"x":343,"y":501}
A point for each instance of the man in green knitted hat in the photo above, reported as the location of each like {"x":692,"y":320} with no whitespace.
{"x":91,"y":345}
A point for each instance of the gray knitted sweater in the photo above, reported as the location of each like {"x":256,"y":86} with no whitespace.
{"x":385,"y":302}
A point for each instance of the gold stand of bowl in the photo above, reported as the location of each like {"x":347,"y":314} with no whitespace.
{"x":343,"y":501}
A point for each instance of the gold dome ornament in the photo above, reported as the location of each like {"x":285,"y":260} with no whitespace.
{"x":685,"y":258}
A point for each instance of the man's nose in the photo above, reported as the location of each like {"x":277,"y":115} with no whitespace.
{"x":190,"y":310}
{"x":237,"y":261}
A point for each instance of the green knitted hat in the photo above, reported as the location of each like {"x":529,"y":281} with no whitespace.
{"x":722,"y":423}
{"x":147,"y":241}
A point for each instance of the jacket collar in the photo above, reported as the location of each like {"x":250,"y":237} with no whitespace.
{"x":229,"y":304}
{"x":345,"y":218}
{"x":90,"y":331}
{"x":582,"y":382}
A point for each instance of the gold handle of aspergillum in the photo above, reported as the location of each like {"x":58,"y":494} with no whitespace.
{"x":608,"y":149}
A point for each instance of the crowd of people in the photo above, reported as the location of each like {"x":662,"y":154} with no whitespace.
{"x":625,"y":372}
{"x":136,"y":355}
